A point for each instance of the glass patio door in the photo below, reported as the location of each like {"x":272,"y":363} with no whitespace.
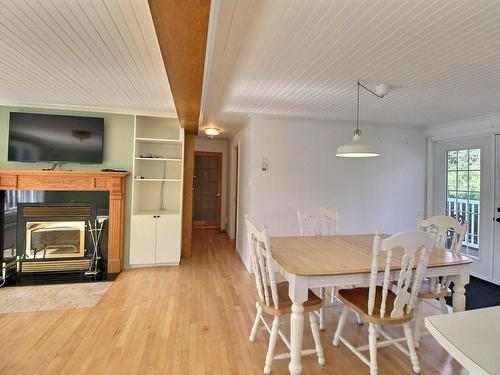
{"x":464,"y":190}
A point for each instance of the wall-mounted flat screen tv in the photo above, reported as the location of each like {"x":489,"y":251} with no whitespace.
{"x":55,"y":138}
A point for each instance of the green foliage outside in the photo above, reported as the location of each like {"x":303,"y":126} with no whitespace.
{"x":464,"y":174}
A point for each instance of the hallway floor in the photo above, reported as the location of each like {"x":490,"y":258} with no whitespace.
{"x":192,"y":319}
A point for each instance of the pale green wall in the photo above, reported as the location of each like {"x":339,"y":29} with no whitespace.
{"x":118,"y":150}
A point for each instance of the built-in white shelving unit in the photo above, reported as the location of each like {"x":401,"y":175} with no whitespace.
{"x":157,"y":192}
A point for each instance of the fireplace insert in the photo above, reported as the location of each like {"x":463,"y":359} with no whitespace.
{"x":53,"y":237}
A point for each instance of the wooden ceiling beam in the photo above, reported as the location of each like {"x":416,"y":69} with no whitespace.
{"x":182,"y":28}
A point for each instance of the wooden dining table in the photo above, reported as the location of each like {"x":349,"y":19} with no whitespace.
{"x":314,"y":262}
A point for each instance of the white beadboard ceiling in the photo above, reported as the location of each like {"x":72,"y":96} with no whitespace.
{"x":100,"y":54}
{"x":303,"y":58}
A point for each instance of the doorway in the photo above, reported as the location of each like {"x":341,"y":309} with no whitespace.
{"x":207,"y":190}
{"x":465,"y":179}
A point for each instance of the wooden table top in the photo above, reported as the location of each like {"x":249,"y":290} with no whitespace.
{"x":342,"y":255}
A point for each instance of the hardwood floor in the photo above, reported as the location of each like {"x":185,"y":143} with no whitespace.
{"x":192,"y":319}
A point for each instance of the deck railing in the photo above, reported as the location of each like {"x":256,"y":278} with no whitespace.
{"x":464,"y":209}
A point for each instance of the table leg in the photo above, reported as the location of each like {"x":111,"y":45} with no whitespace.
{"x":298,"y":295}
{"x":459,"y":283}
{"x":296,"y":333}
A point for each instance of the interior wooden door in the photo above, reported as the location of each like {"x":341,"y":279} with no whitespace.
{"x":207,"y":190}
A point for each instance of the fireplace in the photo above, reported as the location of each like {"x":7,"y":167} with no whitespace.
{"x":53,"y":237}
{"x":107,"y":189}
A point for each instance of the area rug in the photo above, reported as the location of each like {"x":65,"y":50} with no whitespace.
{"x":480,"y":294}
{"x":51,"y":297}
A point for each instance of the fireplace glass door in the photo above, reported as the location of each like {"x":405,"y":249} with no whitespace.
{"x":55,"y":239}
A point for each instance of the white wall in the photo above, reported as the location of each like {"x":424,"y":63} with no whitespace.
{"x":244,"y":140}
{"x":218,"y":145}
{"x":385,"y":193}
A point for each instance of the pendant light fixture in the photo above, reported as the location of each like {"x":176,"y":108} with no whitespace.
{"x":356,"y":149}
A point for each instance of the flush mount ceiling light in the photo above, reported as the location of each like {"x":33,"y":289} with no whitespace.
{"x":356,"y":149}
{"x":212,"y":132}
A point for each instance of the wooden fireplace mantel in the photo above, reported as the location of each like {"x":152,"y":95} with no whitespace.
{"x":113,"y":182}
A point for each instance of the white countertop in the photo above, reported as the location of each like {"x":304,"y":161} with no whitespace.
{"x":471,"y":337}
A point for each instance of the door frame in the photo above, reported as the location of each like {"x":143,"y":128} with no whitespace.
{"x":483,"y":270}
{"x":236,"y":197}
{"x":219,"y":188}
{"x":496,"y":213}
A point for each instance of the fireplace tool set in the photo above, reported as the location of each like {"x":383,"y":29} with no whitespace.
{"x":95,"y":230}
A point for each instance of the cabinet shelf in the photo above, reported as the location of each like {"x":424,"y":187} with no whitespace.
{"x":157,"y":212}
{"x":159,"y":140}
{"x":158,"y":159}
{"x":158,"y":179}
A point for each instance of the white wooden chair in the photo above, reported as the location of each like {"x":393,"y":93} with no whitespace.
{"x":449,"y":236}
{"x":272,"y":299}
{"x":319,"y":221}
{"x":390,"y":303}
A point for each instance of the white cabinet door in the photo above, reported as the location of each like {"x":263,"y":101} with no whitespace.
{"x":143,"y":240}
{"x":168,"y":239}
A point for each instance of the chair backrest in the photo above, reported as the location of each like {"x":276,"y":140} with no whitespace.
{"x":318,"y":221}
{"x":417,"y":246}
{"x":449,"y":232}
{"x":262,"y":262}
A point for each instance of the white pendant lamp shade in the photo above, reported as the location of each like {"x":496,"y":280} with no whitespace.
{"x":357,"y":149}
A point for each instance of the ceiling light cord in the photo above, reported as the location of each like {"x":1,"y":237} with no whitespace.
{"x":357,"y":131}
{"x":357,"y":112}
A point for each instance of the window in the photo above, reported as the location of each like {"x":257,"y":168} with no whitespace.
{"x":13,"y":197}
{"x":463,"y":193}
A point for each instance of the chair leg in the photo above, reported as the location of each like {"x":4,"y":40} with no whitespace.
{"x":372,"y":341}
{"x":411,"y":348}
{"x":273,"y":338}
{"x":322,"y":323}
{"x":444,"y":306}
{"x":334,"y":294}
{"x":359,"y":321}
{"x":256,"y":324}
{"x":418,"y":323}
{"x":316,"y":337}
{"x":340,"y":326}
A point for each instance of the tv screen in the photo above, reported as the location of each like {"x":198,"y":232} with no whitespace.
{"x":51,"y":138}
